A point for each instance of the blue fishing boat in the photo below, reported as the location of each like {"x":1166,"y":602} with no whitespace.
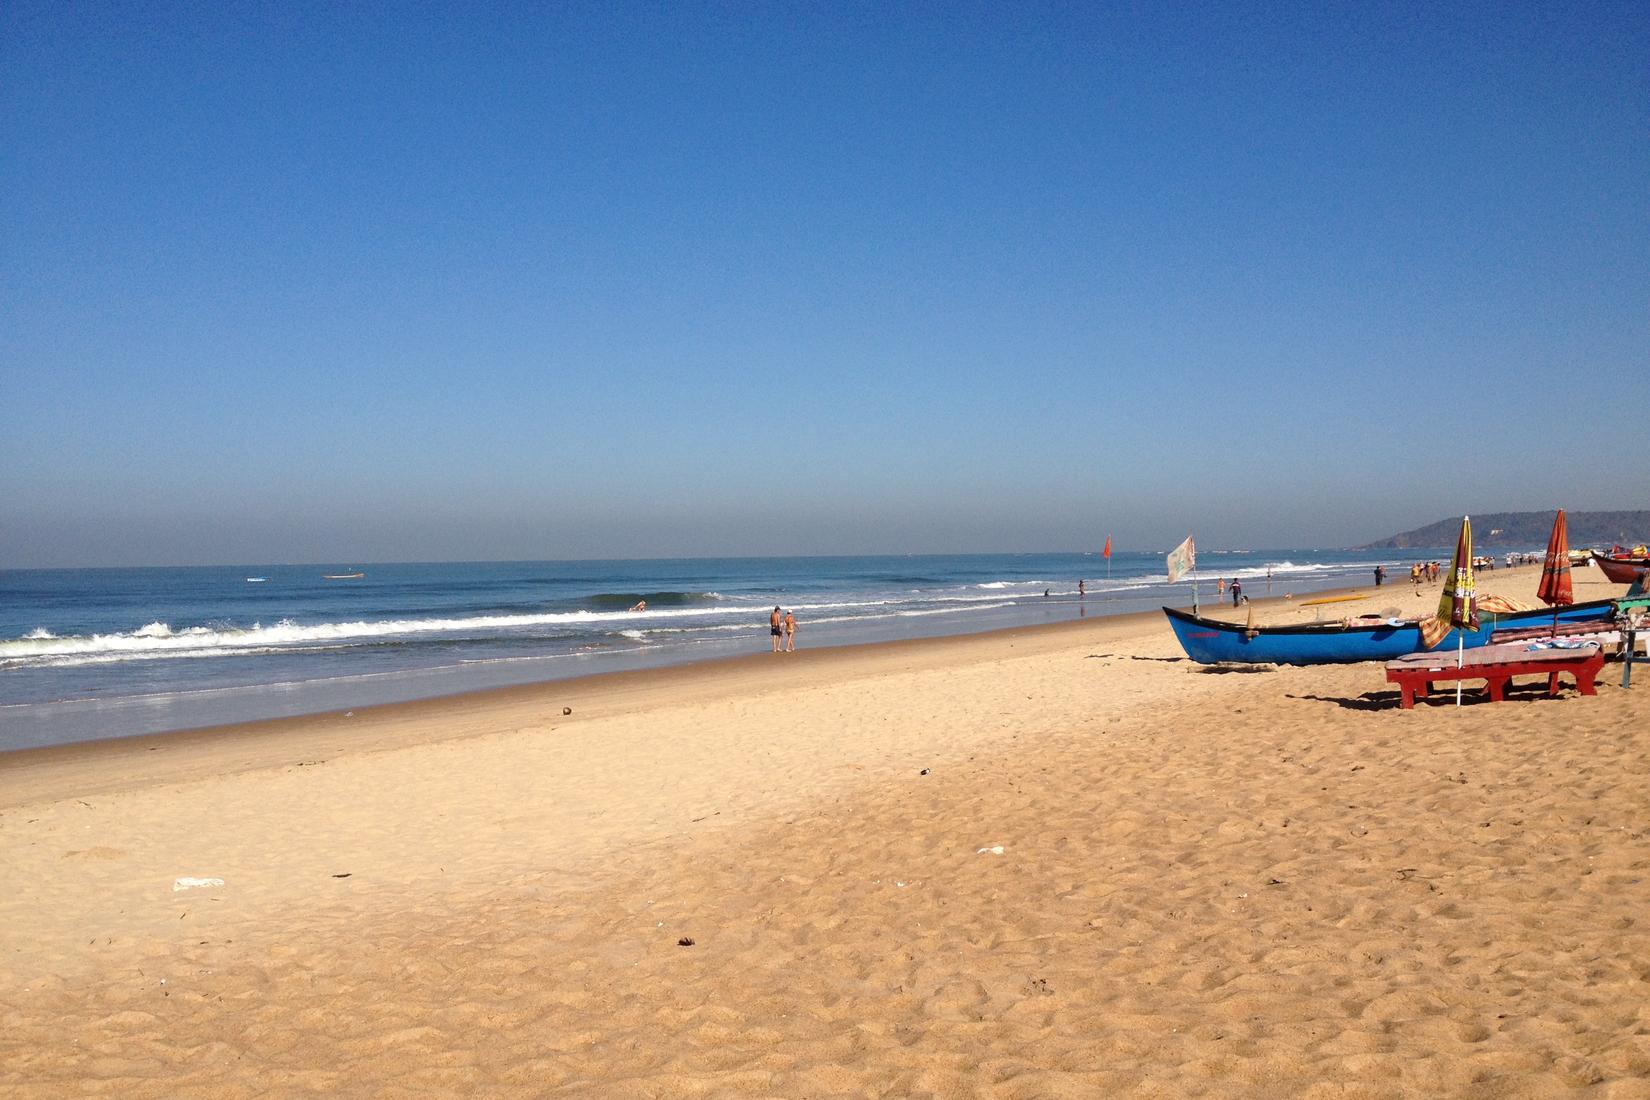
{"x":1210,"y":641}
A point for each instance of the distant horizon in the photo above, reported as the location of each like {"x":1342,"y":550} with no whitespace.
{"x":368,"y":562}
{"x":1118,"y":546}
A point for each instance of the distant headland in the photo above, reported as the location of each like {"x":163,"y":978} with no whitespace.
{"x":1526,"y":530}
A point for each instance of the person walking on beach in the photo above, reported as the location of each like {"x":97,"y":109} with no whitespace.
{"x":1082,"y":590}
{"x":1220,"y":586}
{"x":776,"y":628}
{"x":790,"y":632}
{"x":1380,"y":575}
{"x":1237,"y":591}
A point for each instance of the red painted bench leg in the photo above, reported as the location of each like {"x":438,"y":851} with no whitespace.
{"x":1552,"y":683}
{"x":1497,"y":686}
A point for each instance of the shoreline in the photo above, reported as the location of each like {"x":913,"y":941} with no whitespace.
{"x":113,"y":762}
{"x":106,"y":695}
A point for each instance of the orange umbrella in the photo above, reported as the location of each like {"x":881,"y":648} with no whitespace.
{"x":1555,"y":589}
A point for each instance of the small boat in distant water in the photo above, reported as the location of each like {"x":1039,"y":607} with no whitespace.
{"x":342,"y":576}
{"x":256,"y":580}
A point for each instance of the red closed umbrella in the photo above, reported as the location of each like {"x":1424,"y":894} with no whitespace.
{"x":1555,"y":589}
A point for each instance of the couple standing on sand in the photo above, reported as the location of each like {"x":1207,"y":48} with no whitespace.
{"x":782,"y":625}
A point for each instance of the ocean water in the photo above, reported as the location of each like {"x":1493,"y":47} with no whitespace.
{"x":95,"y":653}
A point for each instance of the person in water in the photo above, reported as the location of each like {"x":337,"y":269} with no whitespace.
{"x":776,"y":628}
{"x":790,"y":632}
{"x":641,"y":605}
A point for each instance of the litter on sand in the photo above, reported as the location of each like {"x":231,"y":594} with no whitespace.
{"x":997,"y":851}
{"x":192,"y":883}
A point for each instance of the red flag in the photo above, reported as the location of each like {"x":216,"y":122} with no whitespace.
{"x":1555,"y":588}
{"x":1106,"y":553}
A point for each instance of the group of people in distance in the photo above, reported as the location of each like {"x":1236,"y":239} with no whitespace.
{"x":1418,"y":572}
{"x":782,"y":625}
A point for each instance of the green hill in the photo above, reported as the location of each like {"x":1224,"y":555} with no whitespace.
{"x":1526,"y":531}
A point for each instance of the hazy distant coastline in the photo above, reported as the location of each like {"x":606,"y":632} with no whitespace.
{"x":1524,"y":530}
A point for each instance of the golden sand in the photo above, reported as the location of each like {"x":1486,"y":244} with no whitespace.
{"x":1038,"y":863}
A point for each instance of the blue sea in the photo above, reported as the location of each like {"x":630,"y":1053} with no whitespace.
{"x":98,"y":653}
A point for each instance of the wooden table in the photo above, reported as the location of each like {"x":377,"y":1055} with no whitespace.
{"x":1496,"y":665}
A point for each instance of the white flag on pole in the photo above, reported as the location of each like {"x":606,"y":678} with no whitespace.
{"x":1182,"y":560}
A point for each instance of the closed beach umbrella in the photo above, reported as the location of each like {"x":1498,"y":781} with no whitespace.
{"x":1555,"y":589}
{"x":1459,"y":605}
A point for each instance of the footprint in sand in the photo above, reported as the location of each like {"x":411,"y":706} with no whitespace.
{"x":95,"y":853}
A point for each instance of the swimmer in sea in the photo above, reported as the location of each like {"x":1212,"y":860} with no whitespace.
{"x":641,"y":605}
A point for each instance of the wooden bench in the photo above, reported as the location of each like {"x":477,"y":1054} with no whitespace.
{"x":1496,"y":665}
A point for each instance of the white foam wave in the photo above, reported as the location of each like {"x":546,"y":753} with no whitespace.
{"x":42,"y":647}
{"x":159,"y":636}
{"x":82,"y":659}
{"x":951,"y":610}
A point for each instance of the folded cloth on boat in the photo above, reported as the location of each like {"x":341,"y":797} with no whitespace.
{"x":1501,"y":605}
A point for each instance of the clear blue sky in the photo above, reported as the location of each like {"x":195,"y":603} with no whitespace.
{"x":395,"y":282}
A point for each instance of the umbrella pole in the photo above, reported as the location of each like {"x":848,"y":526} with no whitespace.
{"x":1460,"y":659}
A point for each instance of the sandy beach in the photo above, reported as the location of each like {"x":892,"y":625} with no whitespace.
{"x":1058,"y":861}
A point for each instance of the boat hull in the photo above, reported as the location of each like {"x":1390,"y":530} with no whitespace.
{"x":1622,"y":570}
{"x":1210,"y":641}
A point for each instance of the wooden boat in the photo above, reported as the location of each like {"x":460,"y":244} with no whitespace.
{"x":1621,"y":570}
{"x":342,"y":576}
{"x":1210,"y":641}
